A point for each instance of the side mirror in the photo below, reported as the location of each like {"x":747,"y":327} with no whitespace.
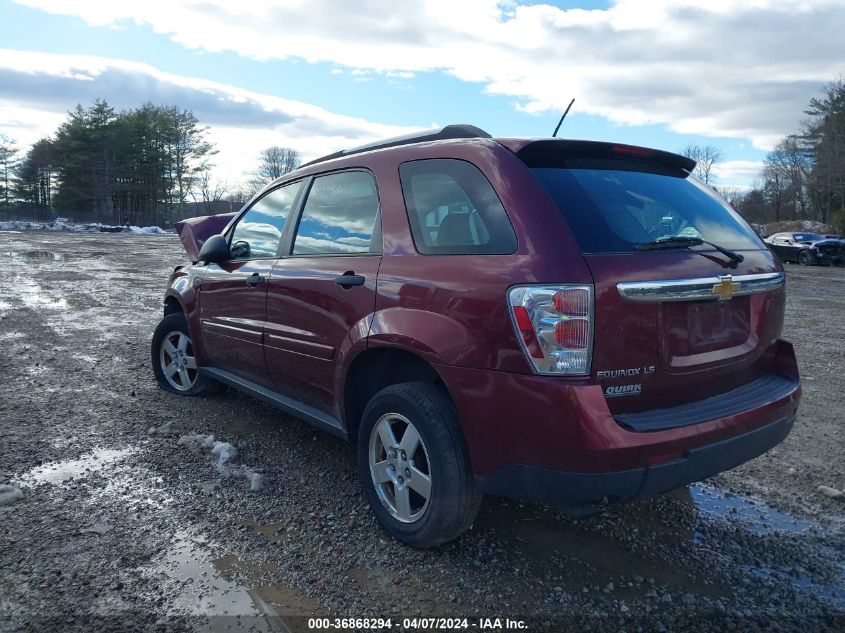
{"x":215,"y":250}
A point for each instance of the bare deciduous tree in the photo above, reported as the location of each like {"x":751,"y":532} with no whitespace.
{"x":207,"y":191}
{"x":705,"y":158}
{"x":275,"y":161}
{"x":785,"y":175}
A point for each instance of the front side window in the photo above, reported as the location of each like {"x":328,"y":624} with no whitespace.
{"x":453,"y":209}
{"x":258,"y":232}
{"x":340,"y":216}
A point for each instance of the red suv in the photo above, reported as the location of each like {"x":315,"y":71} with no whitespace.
{"x":567,"y":322}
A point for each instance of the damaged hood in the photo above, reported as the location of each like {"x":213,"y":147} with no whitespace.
{"x":195,"y":231}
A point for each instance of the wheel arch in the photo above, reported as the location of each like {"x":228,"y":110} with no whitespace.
{"x":376,"y":368}
{"x":172,"y":305}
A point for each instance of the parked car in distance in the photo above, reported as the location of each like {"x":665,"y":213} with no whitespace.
{"x":807,"y":249}
{"x":567,"y":322}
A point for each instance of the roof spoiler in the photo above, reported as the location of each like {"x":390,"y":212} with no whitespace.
{"x":438,"y":134}
{"x":542,"y":152}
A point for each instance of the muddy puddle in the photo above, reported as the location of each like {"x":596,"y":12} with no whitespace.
{"x":585,"y":553}
{"x":752,"y":514}
{"x":204,"y":585}
{"x":36,"y":255}
{"x":61,"y":471}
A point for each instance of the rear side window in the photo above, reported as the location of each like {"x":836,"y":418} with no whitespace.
{"x":340,"y":216}
{"x":259,"y":230}
{"x":611,"y":206}
{"x":453,"y":209}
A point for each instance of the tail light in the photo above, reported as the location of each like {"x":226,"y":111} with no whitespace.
{"x":555,"y":327}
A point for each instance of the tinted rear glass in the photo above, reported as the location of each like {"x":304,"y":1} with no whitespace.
{"x":612,"y":207}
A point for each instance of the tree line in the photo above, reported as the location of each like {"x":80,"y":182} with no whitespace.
{"x":803,"y":177}
{"x":146,"y":166}
{"x":152,"y":166}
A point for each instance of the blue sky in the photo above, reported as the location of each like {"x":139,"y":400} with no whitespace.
{"x":642,"y":72}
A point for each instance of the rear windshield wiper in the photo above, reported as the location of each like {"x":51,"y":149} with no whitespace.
{"x":681,"y":241}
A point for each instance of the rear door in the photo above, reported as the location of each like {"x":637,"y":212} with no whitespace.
{"x":322,"y":294}
{"x":233,"y":295}
{"x":673,"y":325}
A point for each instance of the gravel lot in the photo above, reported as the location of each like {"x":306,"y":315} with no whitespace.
{"x":122,"y":525}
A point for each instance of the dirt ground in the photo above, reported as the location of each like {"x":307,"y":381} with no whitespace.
{"x":124,"y":522}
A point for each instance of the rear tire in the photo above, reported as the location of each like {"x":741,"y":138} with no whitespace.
{"x":805,"y":258}
{"x":414,"y":465}
{"x":173,"y":360}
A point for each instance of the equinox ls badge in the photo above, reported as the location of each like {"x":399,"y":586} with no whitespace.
{"x":726,"y":288}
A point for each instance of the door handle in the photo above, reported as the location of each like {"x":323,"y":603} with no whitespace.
{"x":255,"y":280}
{"x":349,"y":279}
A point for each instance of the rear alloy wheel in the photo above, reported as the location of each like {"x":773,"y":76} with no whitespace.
{"x":805,"y":258}
{"x":399,"y":467}
{"x":173,"y":360}
{"x":414,"y":465}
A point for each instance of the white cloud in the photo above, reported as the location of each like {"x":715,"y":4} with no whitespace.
{"x":737,"y":173}
{"x":37,"y":90}
{"x":737,"y":68}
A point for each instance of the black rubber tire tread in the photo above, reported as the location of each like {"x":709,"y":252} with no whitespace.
{"x":805,"y":258}
{"x":455,"y":497}
{"x":203,"y":386}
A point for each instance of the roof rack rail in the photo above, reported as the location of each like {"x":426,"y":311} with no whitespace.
{"x":441,"y":134}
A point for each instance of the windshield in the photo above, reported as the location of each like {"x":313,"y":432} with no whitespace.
{"x":615,"y":210}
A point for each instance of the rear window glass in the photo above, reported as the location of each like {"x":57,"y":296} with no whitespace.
{"x":612,"y":209}
{"x":453,"y":209}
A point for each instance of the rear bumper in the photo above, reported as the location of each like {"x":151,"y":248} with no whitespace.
{"x":555,"y":440}
{"x":583,"y":491}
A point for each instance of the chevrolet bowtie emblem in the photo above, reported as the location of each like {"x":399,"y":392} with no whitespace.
{"x":726,"y":288}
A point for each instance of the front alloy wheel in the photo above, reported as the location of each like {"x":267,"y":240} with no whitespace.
{"x":173,"y":359}
{"x":400,"y":468}
{"x":176,"y":356}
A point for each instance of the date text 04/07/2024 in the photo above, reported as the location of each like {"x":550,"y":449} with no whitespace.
{"x":416,"y":624}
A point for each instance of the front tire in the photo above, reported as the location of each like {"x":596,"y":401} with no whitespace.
{"x":173,"y":360}
{"x":805,"y":258}
{"x":414,"y":465}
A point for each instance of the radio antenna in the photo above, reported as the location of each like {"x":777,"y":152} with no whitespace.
{"x":562,"y":118}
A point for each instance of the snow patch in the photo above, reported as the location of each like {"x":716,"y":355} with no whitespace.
{"x":812,"y":225}
{"x":9,"y":494}
{"x":60,"y":225}
{"x":147,"y":230}
{"x":168,"y":428}
{"x":222,"y":454}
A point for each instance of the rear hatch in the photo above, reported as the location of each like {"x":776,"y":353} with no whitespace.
{"x":676,"y":319}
